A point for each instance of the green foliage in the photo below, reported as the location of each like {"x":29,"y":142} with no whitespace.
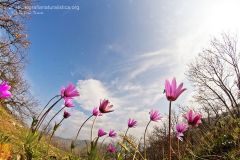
{"x":224,"y":144}
{"x":93,"y":154}
{"x":73,"y":157}
{"x":30,"y":145}
{"x":221,"y":141}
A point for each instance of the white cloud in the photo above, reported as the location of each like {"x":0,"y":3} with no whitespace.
{"x":149,"y":61}
{"x":126,"y":105}
{"x":71,"y":125}
{"x":92,"y":91}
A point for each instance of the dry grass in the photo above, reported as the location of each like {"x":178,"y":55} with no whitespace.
{"x":15,"y":132}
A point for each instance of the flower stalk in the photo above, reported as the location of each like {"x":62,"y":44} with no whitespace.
{"x":145,"y":151}
{"x":169,"y":132}
{"x":49,"y":123}
{"x":73,"y":145}
{"x":125,"y":135}
{"x":47,"y":105}
{"x":65,"y":116}
{"x":53,"y":118}
{"x":92,"y":127}
{"x":45,"y":114}
{"x":173,"y":91}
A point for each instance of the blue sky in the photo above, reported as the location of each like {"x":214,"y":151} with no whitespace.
{"x":122,"y":50}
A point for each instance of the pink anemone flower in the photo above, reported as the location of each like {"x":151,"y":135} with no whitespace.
{"x":154,"y":115}
{"x":112,"y":134}
{"x":172,"y":90}
{"x":96,"y":112}
{"x":66,"y":114}
{"x":68,"y":103}
{"x":105,"y":106}
{"x":4,"y":90}
{"x":180,"y":129}
{"x":193,"y":118}
{"x":101,"y":132}
{"x":132,"y":123}
{"x":69,"y":92}
{"x":111,"y":148}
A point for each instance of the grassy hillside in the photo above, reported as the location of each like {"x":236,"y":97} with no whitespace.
{"x":13,"y":135}
{"x":220,"y":141}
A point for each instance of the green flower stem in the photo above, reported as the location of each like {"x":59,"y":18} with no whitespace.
{"x":72,"y":145}
{"x":125,"y":153}
{"x":54,"y":130}
{"x":103,"y":141}
{"x":169,"y":133}
{"x":82,"y":126}
{"x":53,"y":118}
{"x":49,"y":123}
{"x":92,"y":127}
{"x":145,"y":151}
{"x":47,"y":105}
{"x":45,"y":114}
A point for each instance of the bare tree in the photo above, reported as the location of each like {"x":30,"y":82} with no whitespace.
{"x":13,"y":54}
{"x":13,"y":14}
{"x":216,"y":78}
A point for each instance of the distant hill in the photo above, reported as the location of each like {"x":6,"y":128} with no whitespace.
{"x":64,"y":143}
